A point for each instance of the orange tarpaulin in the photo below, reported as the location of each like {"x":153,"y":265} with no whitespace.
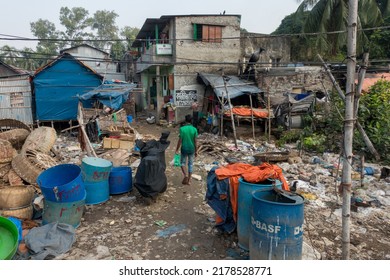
{"x":251,"y":174}
{"x":247,"y":112}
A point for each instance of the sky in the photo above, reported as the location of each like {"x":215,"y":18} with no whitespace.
{"x":257,"y":16}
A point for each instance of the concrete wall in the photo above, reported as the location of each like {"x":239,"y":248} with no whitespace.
{"x":203,"y":56}
{"x":282,"y":80}
{"x":276,"y":48}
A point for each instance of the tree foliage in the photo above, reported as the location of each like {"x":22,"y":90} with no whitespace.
{"x":77,"y":27}
{"x":329,"y":18}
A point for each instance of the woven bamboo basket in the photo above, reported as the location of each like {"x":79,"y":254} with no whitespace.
{"x":22,"y":213}
{"x":4,"y":169}
{"x":7,"y":152}
{"x":14,"y":197}
{"x":26,"y":169}
{"x":15,"y":136}
{"x":41,"y":139}
{"x":8,"y":124}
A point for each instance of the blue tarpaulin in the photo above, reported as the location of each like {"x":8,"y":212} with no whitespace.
{"x":112,"y":95}
{"x":57,"y":86}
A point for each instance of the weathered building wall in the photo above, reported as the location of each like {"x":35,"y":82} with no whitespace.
{"x":278,"y":49}
{"x":192,"y":57}
{"x":282,"y":80}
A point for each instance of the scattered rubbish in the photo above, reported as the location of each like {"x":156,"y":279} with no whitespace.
{"x":196,"y":177}
{"x":170,"y":230}
{"x":160,"y":223}
{"x":194,"y":248}
{"x":126,"y":199}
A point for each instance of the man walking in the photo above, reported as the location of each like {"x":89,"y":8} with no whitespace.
{"x":187,"y":142}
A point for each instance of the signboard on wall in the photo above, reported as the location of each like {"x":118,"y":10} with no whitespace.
{"x":185,"y":98}
{"x":163,"y":49}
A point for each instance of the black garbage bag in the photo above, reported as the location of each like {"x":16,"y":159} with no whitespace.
{"x":150,"y":179}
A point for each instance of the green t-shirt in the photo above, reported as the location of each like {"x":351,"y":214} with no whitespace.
{"x":188,"y":133}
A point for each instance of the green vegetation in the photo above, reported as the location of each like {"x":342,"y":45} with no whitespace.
{"x":78,"y":27}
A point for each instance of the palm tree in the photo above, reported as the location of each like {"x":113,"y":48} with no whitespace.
{"x":329,"y":18}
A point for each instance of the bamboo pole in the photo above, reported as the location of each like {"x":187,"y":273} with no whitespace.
{"x":346,"y":180}
{"x":253,"y":123}
{"x":225,"y":79}
{"x":269,"y":116}
{"x":90,"y":150}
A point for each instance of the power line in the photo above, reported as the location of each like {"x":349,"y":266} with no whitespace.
{"x":245,"y":34}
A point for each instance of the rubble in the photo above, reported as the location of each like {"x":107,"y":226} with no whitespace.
{"x":180,"y":225}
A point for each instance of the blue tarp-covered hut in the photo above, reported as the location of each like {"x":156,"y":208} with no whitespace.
{"x":111,"y":94}
{"x":57,"y":85}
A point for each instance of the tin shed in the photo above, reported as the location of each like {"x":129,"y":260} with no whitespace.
{"x":57,"y":85}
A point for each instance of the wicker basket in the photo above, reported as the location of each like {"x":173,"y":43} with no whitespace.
{"x":15,"y":136}
{"x":26,"y":169}
{"x":7,"y":152}
{"x":22,"y":213}
{"x":14,"y":197}
{"x":41,"y":139}
{"x":8,"y":124}
{"x":4,"y":169}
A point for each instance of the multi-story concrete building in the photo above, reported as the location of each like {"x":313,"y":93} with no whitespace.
{"x":174,"y":49}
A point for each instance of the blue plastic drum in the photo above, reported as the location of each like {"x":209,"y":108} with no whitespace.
{"x":97,"y":192}
{"x":244,"y":202}
{"x":120,"y":180}
{"x":63,"y":212}
{"x":62,"y":183}
{"x":276,"y":226}
{"x":95,"y":170}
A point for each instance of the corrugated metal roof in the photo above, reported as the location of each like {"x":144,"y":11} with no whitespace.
{"x":235,"y":86}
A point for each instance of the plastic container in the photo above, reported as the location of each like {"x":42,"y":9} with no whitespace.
{"x":244,"y":202}
{"x":97,"y":192}
{"x":276,"y":226}
{"x":62,"y":183}
{"x":130,"y":118}
{"x":18,"y":225}
{"x":9,"y":237}
{"x":95,"y":170}
{"x":120,"y":180}
{"x":63,"y":212}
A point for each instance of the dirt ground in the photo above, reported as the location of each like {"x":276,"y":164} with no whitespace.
{"x":179,"y":225}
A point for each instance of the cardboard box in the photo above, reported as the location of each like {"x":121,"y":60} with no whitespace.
{"x":127,"y":145}
{"x":107,"y":143}
{"x":115,"y":143}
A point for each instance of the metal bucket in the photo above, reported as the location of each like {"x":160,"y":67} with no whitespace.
{"x":97,"y":192}
{"x":276,"y":226}
{"x":120,"y":180}
{"x":62,"y":183}
{"x":63,"y":212}
{"x":95,"y":170}
{"x":244,"y":202}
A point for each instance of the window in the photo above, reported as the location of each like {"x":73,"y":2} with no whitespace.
{"x":208,"y":33}
{"x":16,"y":99}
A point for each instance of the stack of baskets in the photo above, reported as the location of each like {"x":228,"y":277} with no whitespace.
{"x":16,"y":201}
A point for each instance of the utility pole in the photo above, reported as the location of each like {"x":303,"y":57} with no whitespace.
{"x":346,"y":180}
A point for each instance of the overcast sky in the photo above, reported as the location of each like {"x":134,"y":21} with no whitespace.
{"x":258,"y":16}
